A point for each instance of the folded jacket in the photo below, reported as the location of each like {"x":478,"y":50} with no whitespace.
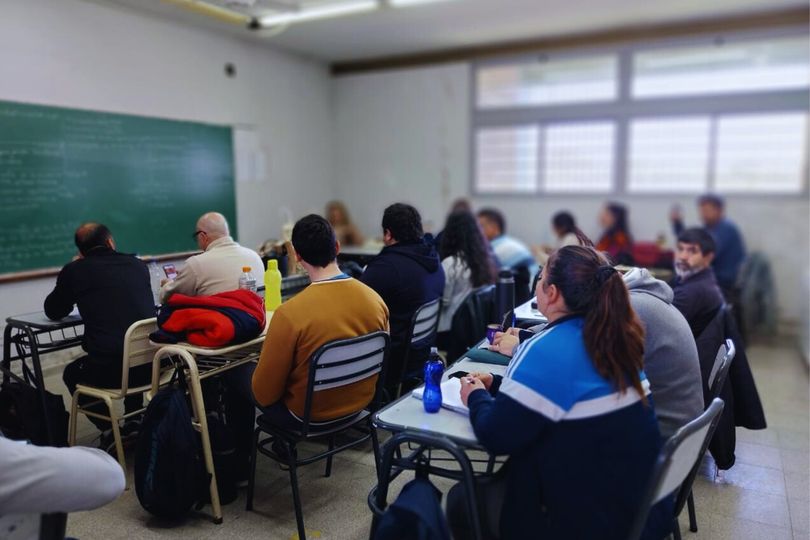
{"x":211,"y":321}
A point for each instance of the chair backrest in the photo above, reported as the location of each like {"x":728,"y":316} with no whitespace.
{"x":719,"y":372}
{"x":137,"y":349}
{"x":470,"y":321}
{"x":346,"y":361}
{"x":424,"y":324}
{"x":676,"y":464}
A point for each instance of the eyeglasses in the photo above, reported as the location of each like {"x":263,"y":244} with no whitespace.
{"x":197,"y":233}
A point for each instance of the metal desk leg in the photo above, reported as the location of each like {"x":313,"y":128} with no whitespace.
{"x":198,"y":408}
{"x":33,"y":354}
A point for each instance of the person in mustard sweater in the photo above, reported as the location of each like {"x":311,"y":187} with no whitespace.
{"x":334,"y":306}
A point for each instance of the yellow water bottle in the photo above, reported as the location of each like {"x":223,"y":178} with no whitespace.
{"x":272,"y":286}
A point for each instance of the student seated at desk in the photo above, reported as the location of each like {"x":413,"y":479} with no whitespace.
{"x":346,"y":231}
{"x":112,"y":291}
{"x":567,"y":233}
{"x":670,"y":355}
{"x":697,"y":294}
{"x":510,"y":252}
{"x":218,"y":268}
{"x":571,"y":412}
{"x":466,"y":261}
{"x":334,"y":306}
{"x":406,"y":274}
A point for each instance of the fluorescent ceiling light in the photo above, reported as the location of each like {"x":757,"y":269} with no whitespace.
{"x":337,"y":10}
{"x":408,"y":3}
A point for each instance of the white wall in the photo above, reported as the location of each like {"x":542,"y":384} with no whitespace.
{"x":404,"y":135}
{"x":80,"y":54}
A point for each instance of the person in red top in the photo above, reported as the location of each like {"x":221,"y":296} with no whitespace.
{"x":616,"y":240}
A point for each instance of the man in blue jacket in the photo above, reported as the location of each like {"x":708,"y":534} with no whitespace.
{"x":730,"y":248}
{"x":406,"y":274}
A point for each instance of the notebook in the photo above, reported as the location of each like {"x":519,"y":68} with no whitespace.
{"x":451,"y":395}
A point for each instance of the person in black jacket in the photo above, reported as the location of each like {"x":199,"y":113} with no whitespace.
{"x":112,"y":290}
{"x":406,"y":274}
{"x":697,"y":294}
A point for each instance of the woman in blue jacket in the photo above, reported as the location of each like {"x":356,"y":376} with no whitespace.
{"x":572,"y":413}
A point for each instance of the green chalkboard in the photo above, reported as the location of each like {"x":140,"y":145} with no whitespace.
{"x":147,"y":179}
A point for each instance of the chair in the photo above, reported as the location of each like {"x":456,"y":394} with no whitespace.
{"x":393,"y":463}
{"x":676,"y":467}
{"x":470,"y":321}
{"x":421,"y":335}
{"x":335,"y":364}
{"x":138,"y":351}
{"x":717,"y":378}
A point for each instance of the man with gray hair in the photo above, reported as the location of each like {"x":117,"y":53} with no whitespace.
{"x":218,"y":267}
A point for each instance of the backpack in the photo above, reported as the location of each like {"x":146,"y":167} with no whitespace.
{"x":22,"y":418}
{"x":170,"y":475}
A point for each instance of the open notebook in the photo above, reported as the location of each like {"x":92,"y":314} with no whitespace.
{"x":451,"y":395}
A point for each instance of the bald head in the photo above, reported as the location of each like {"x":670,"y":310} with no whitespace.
{"x":214,"y":225}
{"x":90,"y":236}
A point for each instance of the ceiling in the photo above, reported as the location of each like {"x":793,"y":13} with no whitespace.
{"x":459,"y":23}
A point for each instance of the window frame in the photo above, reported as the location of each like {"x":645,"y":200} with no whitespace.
{"x":624,"y":109}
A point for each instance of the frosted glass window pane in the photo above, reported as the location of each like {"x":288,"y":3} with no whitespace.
{"x":573,"y":80}
{"x":775,"y":64}
{"x":506,"y":159}
{"x":669,"y":155}
{"x":579,"y":157}
{"x":762,"y":153}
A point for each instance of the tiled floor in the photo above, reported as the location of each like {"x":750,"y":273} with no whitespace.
{"x":764,"y":496}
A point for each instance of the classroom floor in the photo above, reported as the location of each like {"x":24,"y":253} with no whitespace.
{"x":764,"y":496}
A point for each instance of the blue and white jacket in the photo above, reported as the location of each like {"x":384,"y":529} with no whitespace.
{"x":581,"y":452}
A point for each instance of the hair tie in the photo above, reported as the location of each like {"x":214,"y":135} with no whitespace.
{"x":604,"y":273}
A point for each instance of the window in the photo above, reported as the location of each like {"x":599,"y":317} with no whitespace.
{"x":579,"y":157}
{"x":688,"y":116}
{"x":725,"y":67}
{"x":507,"y":159}
{"x":669,"y":154}
{"x":761,"y":153}
{"x":545,"y":82}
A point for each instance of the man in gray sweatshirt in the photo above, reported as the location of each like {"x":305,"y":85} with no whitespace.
{"x":670,"y":354}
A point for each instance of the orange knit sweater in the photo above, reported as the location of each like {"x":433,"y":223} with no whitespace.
{"x":323,"y":312}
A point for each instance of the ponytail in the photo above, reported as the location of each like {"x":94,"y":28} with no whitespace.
{"x":613,"y":335}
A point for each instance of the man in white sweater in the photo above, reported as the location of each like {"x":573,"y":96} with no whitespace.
{"x":218,"y":268}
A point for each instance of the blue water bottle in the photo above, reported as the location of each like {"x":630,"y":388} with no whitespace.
{"x":434,"y":369}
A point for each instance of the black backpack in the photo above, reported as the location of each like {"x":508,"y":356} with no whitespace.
{"x":22,"y":418}
{"x":170,"y":475}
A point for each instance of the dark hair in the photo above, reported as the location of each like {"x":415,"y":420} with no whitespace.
{"x":90,"y":236}
{"x":619,"y":212}
{"x":314,"y":240}
{"x":463,"y":238}
{"x":699,"y":237}
{"x":494,"y":216}
{"x":613,"y":334}
{"x":403,"y":222}
{"x":564,"y":221}
{"x":461,"y":204}
{"x":712,"y":198}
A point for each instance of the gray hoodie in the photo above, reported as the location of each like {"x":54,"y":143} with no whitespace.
{"x":670,"y":354}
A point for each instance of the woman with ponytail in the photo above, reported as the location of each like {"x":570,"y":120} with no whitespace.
{"x":572,"y":413}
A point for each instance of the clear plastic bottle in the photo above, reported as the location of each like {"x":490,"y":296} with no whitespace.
{"x":434,"y":369}
{"x":246,"y":280}
{"x":155,"y":277}
{"x":272,"y":286}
